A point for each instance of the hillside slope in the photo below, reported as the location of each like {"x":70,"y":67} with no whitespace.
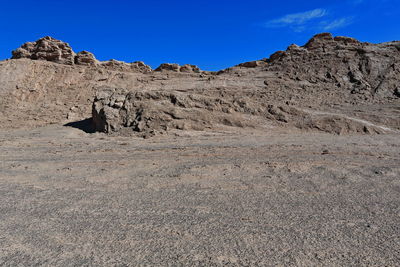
{"x":336,"y":75}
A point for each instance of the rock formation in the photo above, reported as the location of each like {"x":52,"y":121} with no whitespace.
{"x":150,"y":112}
{"x":338,"y":66}
{"x":252,"y":64}
{"x":46,"y":48}
{"x":117,"y":65}
{"x":332,"y":84}
{"x":177,"y":68}
{"x":85,"y":58}
{"x":147,"y":112}
{"x":341,"y":62}
{"x":53,"y":50}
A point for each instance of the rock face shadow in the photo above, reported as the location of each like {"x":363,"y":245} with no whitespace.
{"x":85,"y":125}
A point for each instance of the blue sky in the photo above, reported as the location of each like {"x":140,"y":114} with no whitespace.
{"x":211,"y":34}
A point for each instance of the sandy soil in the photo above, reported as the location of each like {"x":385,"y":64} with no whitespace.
{"x":70,"y":198}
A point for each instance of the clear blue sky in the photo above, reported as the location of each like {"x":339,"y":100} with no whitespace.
{"x":212,"y":34}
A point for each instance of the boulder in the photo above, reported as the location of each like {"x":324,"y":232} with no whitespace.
{"x":146,"y":112}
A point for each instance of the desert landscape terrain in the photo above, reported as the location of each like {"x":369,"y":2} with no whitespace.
{"x":290,"y":160}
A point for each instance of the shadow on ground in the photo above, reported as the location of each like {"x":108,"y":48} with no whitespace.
{"x":85,"y":125}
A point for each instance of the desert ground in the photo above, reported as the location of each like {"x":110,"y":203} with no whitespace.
{"x":292,"y":160}
{"x":70,"y":198}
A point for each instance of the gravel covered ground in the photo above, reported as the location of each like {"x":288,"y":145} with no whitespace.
{"x":69,"y":198}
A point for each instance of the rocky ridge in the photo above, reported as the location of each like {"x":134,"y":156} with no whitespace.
{"x":333,"y":69}
{"x":316,"y":86}
{"x":53,"y":50}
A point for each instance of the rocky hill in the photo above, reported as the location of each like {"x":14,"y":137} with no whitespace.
{"x":332,"y":84}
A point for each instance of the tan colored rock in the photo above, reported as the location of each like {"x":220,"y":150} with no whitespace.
{"x":340,"y":75}
{"x":85,"y":58}
{"x":251,"y":64}
{"x":147,"y":112}
{"x":168,"y":67}
{"x":140,"y":66}
{"x":46,"y":48}
{"x":117,"y":65}
{"x":189,"y":68}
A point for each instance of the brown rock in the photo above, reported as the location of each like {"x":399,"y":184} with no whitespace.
{"x":46,"y":48}
{"x":251,"y":64}
{"x":168,"y":67}
{"x":346,"y":40}
{"x":141,"y":66}
{"x":189,"y":68}
{"x":85,"y":58}
{"x":117,"y":65}
{"x":277,"y":56}
{"x":338,"y":75}
{"x":319,"y":41}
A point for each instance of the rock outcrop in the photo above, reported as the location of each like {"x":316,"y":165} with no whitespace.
{"x":332,"y":84}
{"x":324,"y":70}
{"x":117,"y":65}
{"x":252,"y":64}
{"x":53,"y":50}
{"x":341,"y":63}
{"x":148,"y":112}
{"x":46,"y":48}
{"x":85,"y":58}
{"x":187,"y":68}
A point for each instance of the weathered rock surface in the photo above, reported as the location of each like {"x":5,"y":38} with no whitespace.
{"x":46,"y":48}
{"x":148,"y":112}
{"x":177,"y":68}
{"x":341,"y":63}
{"x":252,"y":64}
{"x":326,"y":71}
{"x":85,"y":58}
{"x":53,"y":50}
{"x":332,"y":84}
{"x":117,"y":65}
{"x":168,"y":67}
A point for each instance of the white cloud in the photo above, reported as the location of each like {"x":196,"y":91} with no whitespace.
{"x":316,"y":20}
{"x":336,"y":24}
{"x":297,"y":20}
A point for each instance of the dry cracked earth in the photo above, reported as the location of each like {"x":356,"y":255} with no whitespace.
{"x":268,"y":163}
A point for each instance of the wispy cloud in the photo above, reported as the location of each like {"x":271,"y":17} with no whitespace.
{"x":296,"y":20}
{"x":316,"y":20}
{"x":336,"y":24}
